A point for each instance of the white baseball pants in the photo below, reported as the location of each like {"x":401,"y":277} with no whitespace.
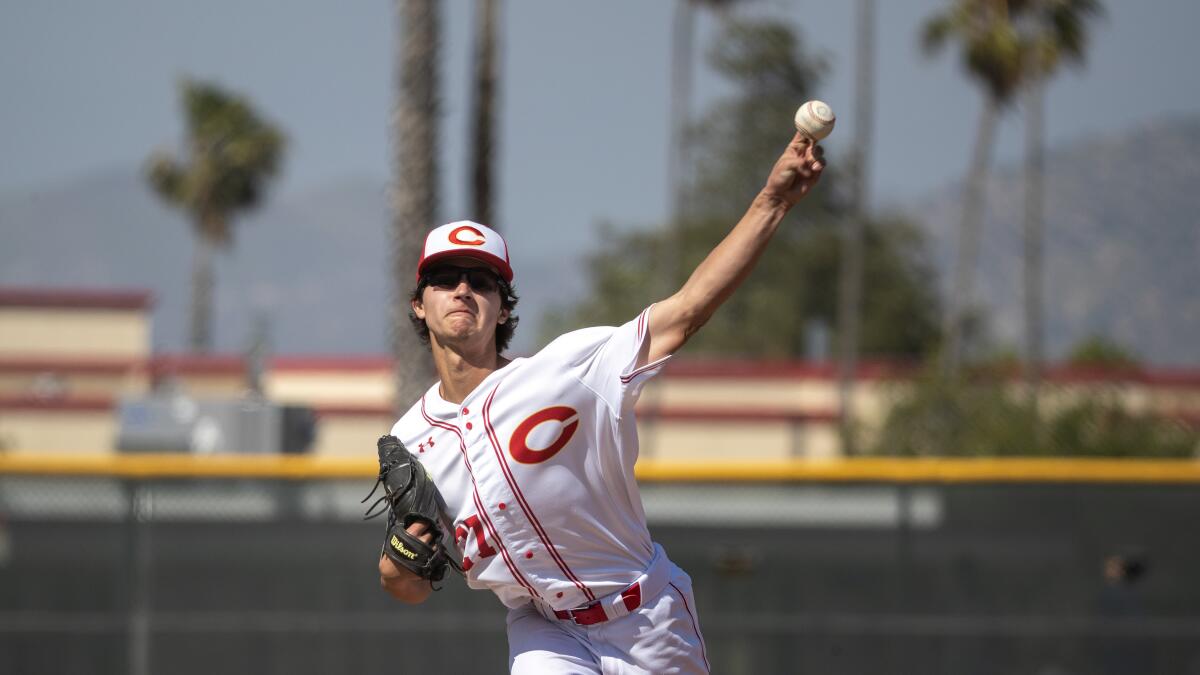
{"x":661,"y":636}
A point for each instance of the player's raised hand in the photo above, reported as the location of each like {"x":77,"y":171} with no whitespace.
{"x":800,"y":166}
{"x":796,"y":172}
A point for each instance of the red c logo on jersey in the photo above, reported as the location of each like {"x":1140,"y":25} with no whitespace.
{"x":518,"y":445}
{"x":456,"y":239}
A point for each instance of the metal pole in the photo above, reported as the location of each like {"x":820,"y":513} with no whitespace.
{"x":851,"y":270}
{"x":682,"y":30}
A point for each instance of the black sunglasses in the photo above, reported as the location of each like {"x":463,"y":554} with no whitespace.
{"x":449,"y":276}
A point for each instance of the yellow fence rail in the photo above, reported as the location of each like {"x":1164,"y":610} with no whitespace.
{"x":879,"y":470}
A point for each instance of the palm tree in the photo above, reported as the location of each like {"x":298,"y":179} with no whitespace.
{"x":414,"y":195}
{"x":991,"y":55}
{"x":484,"y":145}
{"x":230,"y":155}
{"x":1052,"y":32}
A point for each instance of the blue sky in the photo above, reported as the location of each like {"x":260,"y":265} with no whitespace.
{"x":88,"y":86}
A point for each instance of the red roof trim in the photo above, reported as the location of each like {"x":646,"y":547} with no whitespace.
{"x":719,"y":369}
{"x":28,"y":403}
{"x":783,"y":370}
{"x":882,"y":370}
{"x":1173,"y":377}
{"x":354,"y":411}
{"x":330,"y":363}
{"x":40,"y":364}
{"x":77,"y":298}
{"x":735,"y":415}
{"x":197,"y":364}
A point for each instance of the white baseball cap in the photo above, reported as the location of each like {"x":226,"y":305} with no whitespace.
{"x":466,"y":239}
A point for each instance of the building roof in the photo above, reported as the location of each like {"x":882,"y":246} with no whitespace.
{"x":75,"y":298}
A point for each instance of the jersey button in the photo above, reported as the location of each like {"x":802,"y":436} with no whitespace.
{"x":468,"y":426}
{"x":528,"y":554}
{"x":501,"y":506}
{"x":465,"y":411}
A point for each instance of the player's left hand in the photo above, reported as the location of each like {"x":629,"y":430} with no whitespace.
{"x":796,"y":172}
{"x":413,"y":536}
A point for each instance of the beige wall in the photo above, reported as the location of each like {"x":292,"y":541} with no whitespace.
{"x":736,"y":440}
{"x":1175,"y":399}
{"x":57,"y":430}
{"x":74,"y":332}
{"x":211,"y":385}
{"x":330,"y":387}
{"x":72,"y":383}
{"x":352,"y":435}
{"x":761,"y":393}
{"x":762,"y":438}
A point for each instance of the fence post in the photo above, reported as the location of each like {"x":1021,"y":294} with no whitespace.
{"x":141,"y":511}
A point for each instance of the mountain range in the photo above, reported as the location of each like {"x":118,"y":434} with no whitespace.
{"x":1122,"y":252}
{"x":1122,"y":243}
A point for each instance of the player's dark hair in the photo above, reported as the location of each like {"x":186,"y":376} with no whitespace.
{"x":504,"y":331}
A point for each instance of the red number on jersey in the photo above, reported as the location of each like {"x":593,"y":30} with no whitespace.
{"x":460,"y":536}
{"x":518,"y":445}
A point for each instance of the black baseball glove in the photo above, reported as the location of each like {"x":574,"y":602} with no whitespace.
{"x":411,"y":497}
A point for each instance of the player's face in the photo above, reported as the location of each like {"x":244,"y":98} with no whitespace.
{"x":461,"y":303}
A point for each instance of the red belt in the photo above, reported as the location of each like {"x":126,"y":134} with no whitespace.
{"x":594,"y":612}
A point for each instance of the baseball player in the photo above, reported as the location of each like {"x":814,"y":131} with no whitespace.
{"x":534,"y":456}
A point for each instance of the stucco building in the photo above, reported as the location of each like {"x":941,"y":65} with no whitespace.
{"x":68,"y":357}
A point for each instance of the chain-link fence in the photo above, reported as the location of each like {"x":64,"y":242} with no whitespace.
{"x":188,"y":575}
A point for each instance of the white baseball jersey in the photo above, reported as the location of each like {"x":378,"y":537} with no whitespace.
{"x":536,"y":469}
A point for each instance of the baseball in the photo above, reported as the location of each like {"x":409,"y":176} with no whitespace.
{"x":815,"y":119}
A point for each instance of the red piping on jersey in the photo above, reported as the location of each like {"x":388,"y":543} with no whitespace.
{"x":512,"y":482}
{"x":703,"y":650}
{"x":626,"y":379}
{"x":483,"y":514}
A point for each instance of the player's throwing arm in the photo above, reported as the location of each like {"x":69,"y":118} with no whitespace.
{"x":676,"y":319}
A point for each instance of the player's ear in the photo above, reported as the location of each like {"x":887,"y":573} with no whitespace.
{"x":503,"y":317}
{"x":418,"y":308}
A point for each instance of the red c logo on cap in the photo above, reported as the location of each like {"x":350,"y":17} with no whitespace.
{"x":518,"y":445}
{"x":456,"y":239}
